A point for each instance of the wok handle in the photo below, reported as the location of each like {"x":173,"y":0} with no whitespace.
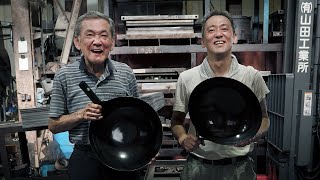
{"x":86,"y":89}
{"x":200,"y":138}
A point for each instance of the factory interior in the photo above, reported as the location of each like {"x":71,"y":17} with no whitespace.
{"x":159,"y":39}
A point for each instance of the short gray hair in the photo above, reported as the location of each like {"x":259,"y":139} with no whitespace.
{"x":93,"y":15}
{"x":217,"y":13}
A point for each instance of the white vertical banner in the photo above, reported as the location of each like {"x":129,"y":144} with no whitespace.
{"x":307,"y":104}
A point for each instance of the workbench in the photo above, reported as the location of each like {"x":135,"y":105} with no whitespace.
{"x":10,"y":127}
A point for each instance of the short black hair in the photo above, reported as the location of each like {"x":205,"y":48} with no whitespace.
{"x":217,"y":13}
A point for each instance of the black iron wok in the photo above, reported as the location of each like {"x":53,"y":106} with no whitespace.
{"x":128,"y":136}
{"x":224,"y":111}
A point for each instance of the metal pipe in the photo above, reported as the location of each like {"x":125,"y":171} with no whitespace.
{"x":316,"y":74}
{"x":265,"y":21}
{"x":4,"y":107}
{"x":106,"y":8}
{"x":288,"y":66}
{"x":7,"y":26}
{"x":255,"y":21}
{"x":316,"y":78}
{"x":4,"y":35}
{"x":11,"y":37}
{"x":289,"y":36}
{"x":42,"y":44}
{"x":206,"y":8}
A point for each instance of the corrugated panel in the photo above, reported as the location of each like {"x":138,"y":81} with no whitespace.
{"x":38,"y":117}
{"x":34,"y":117}
{"x":279,"y":102}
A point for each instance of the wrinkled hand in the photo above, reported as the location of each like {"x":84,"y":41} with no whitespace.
{"x":91,"y":112}
{"x":254,"y":139}
{"x":244,"y":143}
{"x":189,"y":142}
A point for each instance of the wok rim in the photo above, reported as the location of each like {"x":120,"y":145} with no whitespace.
{"x":155,"y":121}
{"x":218,"y":82}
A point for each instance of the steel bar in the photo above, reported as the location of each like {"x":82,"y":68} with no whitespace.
{"x":160,"y":28}
{"x":172,"y":22}
{"x":158,"y":70}
{"x":157,"y":17}
{"x":158,"y":36}
{"x":193,"y":49}
{"x":167,"y":35}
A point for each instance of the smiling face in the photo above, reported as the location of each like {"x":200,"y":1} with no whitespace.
{"x":218,"y":36}
{"x":95,"y":40}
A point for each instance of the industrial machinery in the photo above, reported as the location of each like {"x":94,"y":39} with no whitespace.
{"x":159,"y":40}
{"x":276,"y":26}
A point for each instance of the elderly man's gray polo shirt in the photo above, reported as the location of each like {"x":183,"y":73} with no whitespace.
{"x":118,"y":80}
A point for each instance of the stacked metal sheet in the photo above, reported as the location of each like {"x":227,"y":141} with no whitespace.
{"x":159,"y":26}
{"x":34,"y":117}
{"x":38,"y":117}
{"x":154,"y":99}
